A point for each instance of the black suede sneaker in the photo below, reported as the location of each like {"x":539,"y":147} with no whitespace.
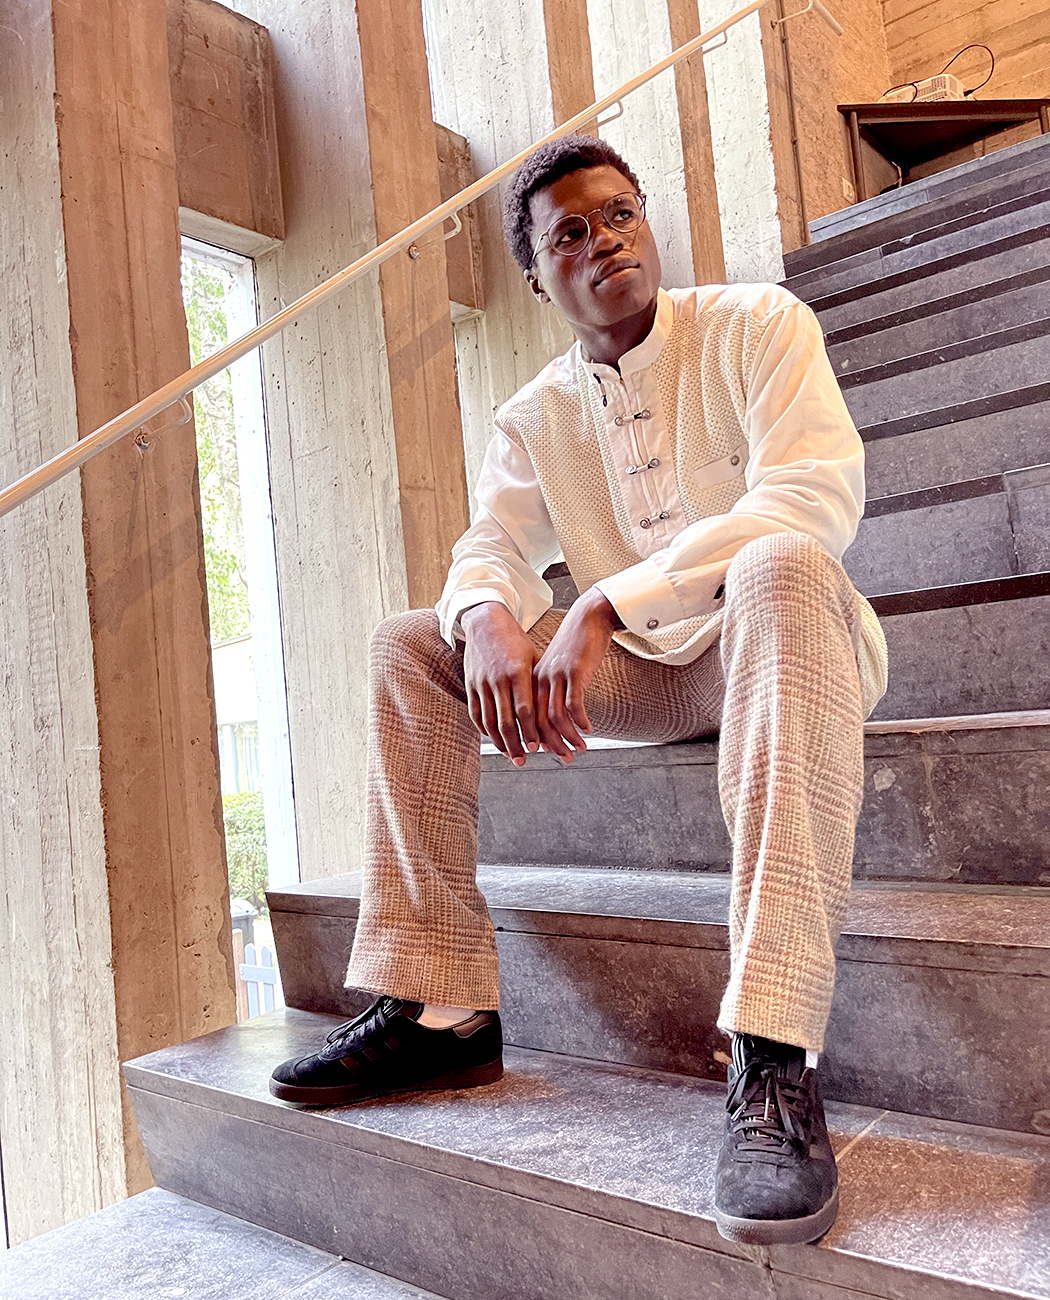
{"x":384,"y":1051}
{"x":776,"y":1179}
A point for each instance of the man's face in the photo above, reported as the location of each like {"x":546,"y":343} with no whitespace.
{"x":610,"y":281}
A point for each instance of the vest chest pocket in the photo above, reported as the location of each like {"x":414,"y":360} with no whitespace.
{"x":724,"y":470}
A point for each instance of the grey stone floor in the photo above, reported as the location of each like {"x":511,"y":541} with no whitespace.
{"x":632,"y":1147}
{"x":158,"y":1246}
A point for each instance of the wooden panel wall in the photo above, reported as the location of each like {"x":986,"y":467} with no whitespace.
{"x":172,"y":951}
{"x":60,"y":1110}
{"x":922,"y":36}
{"x":221,"y":66}
{"x":402,"y":146}
{"x":827,"y":70}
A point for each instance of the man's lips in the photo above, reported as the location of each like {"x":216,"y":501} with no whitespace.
{"x":610,"y":268}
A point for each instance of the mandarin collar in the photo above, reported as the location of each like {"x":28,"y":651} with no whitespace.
{"x":643,"y":354}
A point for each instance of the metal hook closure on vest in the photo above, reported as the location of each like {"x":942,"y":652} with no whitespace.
{"x":621,"y":420}
{"x":640,"y":469}
{"x":648,"y":523}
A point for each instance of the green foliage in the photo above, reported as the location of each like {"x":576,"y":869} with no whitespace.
{"x":242,"y":815}
{"x":204,"y":289}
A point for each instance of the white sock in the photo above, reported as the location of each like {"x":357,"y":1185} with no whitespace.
{"x":435,"y":1017}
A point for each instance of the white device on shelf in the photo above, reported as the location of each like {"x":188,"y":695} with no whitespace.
{"x":931,"y":90}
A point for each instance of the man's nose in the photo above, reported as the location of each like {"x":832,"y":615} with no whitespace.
{"x":605,"y":239}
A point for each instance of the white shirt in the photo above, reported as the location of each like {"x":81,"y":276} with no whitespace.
{"x":793,"y":441}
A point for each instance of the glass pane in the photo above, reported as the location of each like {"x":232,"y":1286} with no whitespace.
{"x":247,"y":662}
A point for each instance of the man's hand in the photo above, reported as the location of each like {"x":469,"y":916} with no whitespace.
{"x":497,"y":667}
{"x":565,"y":670}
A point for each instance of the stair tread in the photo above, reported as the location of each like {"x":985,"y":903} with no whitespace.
{"x":636,"y":1147}
{"x":158,"y":1244}
{"x":584,"y":901}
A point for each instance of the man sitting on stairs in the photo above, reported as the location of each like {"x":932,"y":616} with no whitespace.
{"x":692,"y":459}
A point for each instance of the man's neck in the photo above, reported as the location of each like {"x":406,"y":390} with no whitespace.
{"x":605,"y":345}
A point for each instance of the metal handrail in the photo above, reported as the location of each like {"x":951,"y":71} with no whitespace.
{"x":177,"y":389}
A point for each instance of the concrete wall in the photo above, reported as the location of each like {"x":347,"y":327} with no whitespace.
{"x":333,"y":464}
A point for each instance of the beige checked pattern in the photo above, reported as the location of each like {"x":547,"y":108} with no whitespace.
{"x":783,"y":687}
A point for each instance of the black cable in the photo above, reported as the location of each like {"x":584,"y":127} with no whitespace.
{"x":975,"y":46}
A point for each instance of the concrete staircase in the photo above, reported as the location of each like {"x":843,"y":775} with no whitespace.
{"x":587,"y":1171}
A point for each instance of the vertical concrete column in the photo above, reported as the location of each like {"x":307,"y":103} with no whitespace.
{"x":60,"y":1111}
{"x":491,"y":77}
{"x":738,"y":102}
{"x":626,"y":37}
{"x":172,"y":956}
{"x":402,"y":146}
{"x":569,"y":64}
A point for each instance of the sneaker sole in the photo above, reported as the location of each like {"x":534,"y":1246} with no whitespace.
{"x":477,"y":1077}
{"x":776,"y":1232}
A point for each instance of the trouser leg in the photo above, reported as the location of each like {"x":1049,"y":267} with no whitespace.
{"x":424,"y":932}
{"x":791,"y":781}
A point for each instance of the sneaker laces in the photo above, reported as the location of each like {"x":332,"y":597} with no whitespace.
{"x":766,"y":1108}
{"x":351,"y":1035}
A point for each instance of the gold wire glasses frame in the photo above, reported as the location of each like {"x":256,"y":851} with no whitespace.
{"x":571,"y":235}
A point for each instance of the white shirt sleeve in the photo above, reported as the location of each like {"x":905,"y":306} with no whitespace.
{"x":509,"y":544}
{"x":805,"y":473}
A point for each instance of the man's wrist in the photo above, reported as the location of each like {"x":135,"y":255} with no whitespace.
{"x":598,"y":602}
{"x":482,"y":611}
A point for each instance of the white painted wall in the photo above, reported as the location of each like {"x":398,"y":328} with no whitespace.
{"x":488,"y":70}
{"x":628,"y":36}
{"x":739,"y":108}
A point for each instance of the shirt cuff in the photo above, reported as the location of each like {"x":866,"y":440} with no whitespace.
{"x":643,"y":598}
{"x":460,"y":601}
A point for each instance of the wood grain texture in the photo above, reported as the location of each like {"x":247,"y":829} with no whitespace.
{"x":922,"y":35}
{"x":827,"y":70}
{"x":705,"y":227}
{"x":491,"y":84}
{"x":221,"y":67}
{"x":463,"y":259}
{"x":421,"y":359}
{"x":332,"y":454}
{"x":172,"y":956}
{"x":569,"y":66}
{"x":60,"y":1108}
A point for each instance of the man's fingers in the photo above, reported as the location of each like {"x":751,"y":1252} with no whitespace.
{"x":474,"y":709}
{"x":559,"y":715}
{"x":525,"y":712}
{"x":549,"y":735}
{"x":508,"y":726}
{"x":576,"y":706}
{"x":490,"y":719}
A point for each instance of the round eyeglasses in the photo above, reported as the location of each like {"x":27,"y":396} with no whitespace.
{"x":571,"y":235}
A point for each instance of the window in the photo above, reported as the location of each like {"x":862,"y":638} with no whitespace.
{"x":247,"y":658}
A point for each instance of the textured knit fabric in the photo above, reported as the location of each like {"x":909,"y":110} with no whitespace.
{"x":783,"y":686}
{"x":725,"y":424}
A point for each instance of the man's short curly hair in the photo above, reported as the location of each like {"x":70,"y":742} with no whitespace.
{"x":572,"y":153}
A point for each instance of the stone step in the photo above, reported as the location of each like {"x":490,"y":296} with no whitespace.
{"x":993,"y":443}
{"x":916,"y":392}
{"x":959,"y":532}
{"x":579,"y":1178}
{"x":977,"y":647}
{"x":862,"y":224}
{"x":979,"y":319}
{"x":957,"y":799}
{"x":966,"y":233}
{"x":1016,"y":260}
{"x":159,"y":1246}
{"x":629,"y":967}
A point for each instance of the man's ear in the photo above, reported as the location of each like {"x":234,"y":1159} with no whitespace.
{"x":533,"y":281}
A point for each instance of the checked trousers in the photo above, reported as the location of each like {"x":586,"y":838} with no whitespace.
{"x":781,"y":685}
